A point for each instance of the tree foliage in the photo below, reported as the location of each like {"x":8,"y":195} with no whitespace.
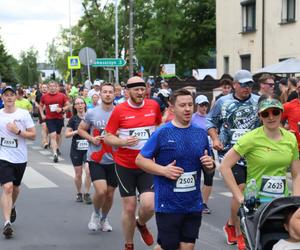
{"x":166,"y":31}
{"x":27,"y":71}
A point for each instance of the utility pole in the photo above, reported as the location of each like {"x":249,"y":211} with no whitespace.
{"x":131,"y":37}
{"x":116,"y":41}
{"x":70,"y":39}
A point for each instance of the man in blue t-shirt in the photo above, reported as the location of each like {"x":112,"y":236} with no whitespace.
{"x":180,"y":151}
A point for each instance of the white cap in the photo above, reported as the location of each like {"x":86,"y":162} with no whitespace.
{"x":201,"y":99}
{"x":243,"y":76}
{"x":97,"y":83}
{"x":164,"y":92}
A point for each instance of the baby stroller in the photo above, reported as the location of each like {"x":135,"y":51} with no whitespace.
{"x":264,"y":227}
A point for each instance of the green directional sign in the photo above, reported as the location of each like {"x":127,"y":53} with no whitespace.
{"x":109,"y":62}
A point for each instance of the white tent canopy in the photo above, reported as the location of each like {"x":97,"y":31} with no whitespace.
{"x":288,"y":66}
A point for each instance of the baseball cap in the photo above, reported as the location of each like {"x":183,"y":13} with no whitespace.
{"x":164,"y":92}
{"x":243,"y":76}
{"x":97,"y":83}
{"x":201,"y":99}
{"x":269,"y":103}
{"x":8,"y":88}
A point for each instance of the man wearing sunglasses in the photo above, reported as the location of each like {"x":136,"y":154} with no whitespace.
{"x":232,"y":116}
{"x":266,"y":84}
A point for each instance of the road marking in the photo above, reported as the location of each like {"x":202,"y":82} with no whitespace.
{"x":227,"y":194}
{"x":36,"y":147}
{"x":29,"y":142}
{"x":45,"y":152}
{"x":33,"y":179}
{"x":59,"y":158}
{"x":67,"y":169}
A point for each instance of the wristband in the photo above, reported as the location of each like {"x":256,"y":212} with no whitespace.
{"x":19,"y":132}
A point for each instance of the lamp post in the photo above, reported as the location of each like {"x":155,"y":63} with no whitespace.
{"x":116,"y":41}
{"x":70,"y":38}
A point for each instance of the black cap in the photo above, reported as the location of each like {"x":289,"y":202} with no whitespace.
{"x":8,"y":88}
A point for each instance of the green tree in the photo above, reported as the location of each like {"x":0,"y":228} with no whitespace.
{"x":28,"y":72}
{"x":8,"y":66}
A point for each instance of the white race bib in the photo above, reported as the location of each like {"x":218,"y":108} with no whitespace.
{"x":186,"y":182}
{"x":82,"y":144}
{"x":9,"y":142}
{"x":140,"y":133}
{"x":237,"y":133}
{"x":53,"y":107}
{"x":273,"y":186}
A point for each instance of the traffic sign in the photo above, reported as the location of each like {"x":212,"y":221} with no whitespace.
{"x":73,"y":62}
{"x":109,"y":62}
{"x":87,"y":56}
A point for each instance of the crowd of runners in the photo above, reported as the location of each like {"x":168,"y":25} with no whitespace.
{"x":154,"y":145}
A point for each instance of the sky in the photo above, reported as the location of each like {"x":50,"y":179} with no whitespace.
{"x":26,"y":23}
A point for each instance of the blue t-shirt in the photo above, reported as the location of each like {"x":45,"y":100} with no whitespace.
{"x":186,"y":146}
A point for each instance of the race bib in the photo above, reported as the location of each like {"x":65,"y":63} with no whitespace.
{"x":82,"y":144}
{"x":53,"y":107}
{"x":9,"y":143}
{"x":273,"y":186}
{"x":237,"y":133}
{"x":186,"y":182}
{"x":140,"y":133}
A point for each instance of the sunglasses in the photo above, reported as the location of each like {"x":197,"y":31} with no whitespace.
{"x":246,"y":84}
{"x":204,"y":104}
{"x":266,"y":113}
{"x":270,"y":84}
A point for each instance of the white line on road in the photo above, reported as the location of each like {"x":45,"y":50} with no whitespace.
{"x":33,"y":179}
{"x":36,"y":147}
{"x":45,"y":152}
{"x":227,"y":194}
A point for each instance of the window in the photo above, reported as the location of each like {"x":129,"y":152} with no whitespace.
{"x":246,"y":62}
{"x":248,"y":15}
{"x":288,"y":11}
{"x":226,"y":64}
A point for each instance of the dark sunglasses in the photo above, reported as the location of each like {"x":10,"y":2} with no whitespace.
{"x":266,"y":113}
{"x":246,"y":84}
{"x":204,"y":104}
{"x":270,"y":84}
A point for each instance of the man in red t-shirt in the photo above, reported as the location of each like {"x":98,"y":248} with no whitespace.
{"x":55,"y":104}
{"x":134,"y":120}
{"x":291,"y":114}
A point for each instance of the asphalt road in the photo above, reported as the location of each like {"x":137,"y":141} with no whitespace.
{"x":49,"y":218}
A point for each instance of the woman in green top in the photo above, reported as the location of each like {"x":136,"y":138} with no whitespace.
{"x":269,"y":151}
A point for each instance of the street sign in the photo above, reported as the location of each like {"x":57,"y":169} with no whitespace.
{"x":109,"y":62}
{"x":73,"y":62}
{"x":87,"y":56}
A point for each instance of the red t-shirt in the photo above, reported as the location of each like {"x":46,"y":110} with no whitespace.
{"x":291,"y":113}
{"x":133,"y":121}
{"x":53,"y":101}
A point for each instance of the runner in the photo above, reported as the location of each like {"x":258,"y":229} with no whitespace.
{"x":22,"y":102}
{"x":40,"y":92}
{"x":199,"y":120}
{"x":16,"y":125}
{"x":232,"y":116}
{"x":263,"y":149}
{"x":55,"y":103}
{"x":180,"y":151}
{"x":101,"y":164}
{"x":78,"y":151}
{"x":134,"y":120}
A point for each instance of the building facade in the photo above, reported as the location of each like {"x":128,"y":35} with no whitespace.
{"x":252,"y":34}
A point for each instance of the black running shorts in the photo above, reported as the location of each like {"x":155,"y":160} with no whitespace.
{"x":174,"y":228}
{"x":55,"y":125}
{"x":131,"y":179}
{"x":11,"y":172}
{"x":78,"y":157}
{"x":239,"y":173}
{"x":103,"y":172}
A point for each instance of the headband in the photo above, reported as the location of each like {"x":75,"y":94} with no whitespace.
{"x":136,"y":84}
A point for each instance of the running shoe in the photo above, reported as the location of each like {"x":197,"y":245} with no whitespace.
{"x":55,"y":158}
{"x":205,"y":210}
{"x":8,"y":230}
{"x":79,"y":197}
{"x":146,"y":236}
{"x":87,"y":198}
{"x":94,"y":223}
{"x":105,"y":226}
{"x":13,"y":215}
{"x":230,"y":235}
{"x":129,"y":246}
{"x":58,"y":152}
{"x":240,"y":242}
{"x":46,"y":145}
